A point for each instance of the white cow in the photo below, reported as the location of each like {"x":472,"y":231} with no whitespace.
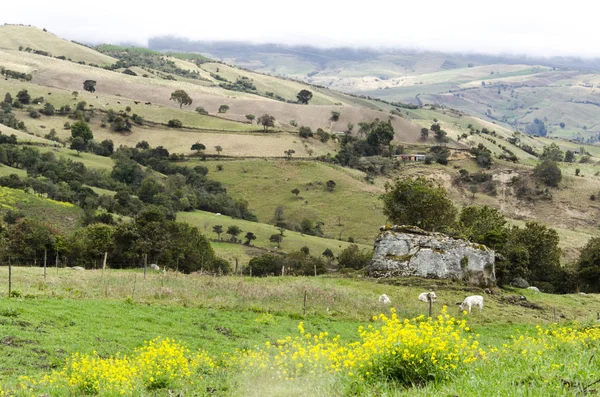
{"x":154,"y":266}
{"x":78,"y":268}
{"x":423,"y":297}
{"x":385,"y":299}
{"x":470,"y":301}
{"x":534,"y":289}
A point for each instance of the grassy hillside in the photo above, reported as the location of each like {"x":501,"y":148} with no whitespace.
{"x":292,"y":241}
{"x":18,"y":36}
{"x":64,"y":216}
{"x":351,"y":210}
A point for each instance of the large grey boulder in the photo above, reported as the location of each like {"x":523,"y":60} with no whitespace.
{"x":402,"y":251}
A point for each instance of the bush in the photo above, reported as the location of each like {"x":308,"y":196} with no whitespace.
{"x":201,"y":110}
{"x":354,"y":258}
{"x":174,"y":123}
{"x":305,"y":132}
{"x":548,"y":173}
{"x":223,"y":109}
{"x":335,"y":115}
{"x":265,"y":265}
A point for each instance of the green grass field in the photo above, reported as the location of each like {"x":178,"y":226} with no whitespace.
{"x":45,"y":322}
{"x":351,"y":210}
{"x":292,"y":241}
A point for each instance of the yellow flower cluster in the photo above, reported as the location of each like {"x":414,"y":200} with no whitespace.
{"x":408,"y":351}
{"x":553,"y":338}
{"x":159,"y":363}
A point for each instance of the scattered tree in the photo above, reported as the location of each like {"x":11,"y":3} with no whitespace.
{"x":223,"y":109}
{"x":335,"y":115}
{"x":330,"y":185}
{"x":198,"y":147}
{"x":234,"y":231}
{"x":24,"y":97}
{"x":276,"y":239}
{"x":79,"y":144}
{"x":218,"y":229}
{"x":424,"y":133}
{"x":548,"y":173}
{"x":89,"y":85}
{"x":181,"y":97}
{"x":201,"y":110}
{"x":249,"y":237}
{"x":219,"y":149}
{"x":304,"y":96}
{"x":250,"y":118}
{"x":174,"y":123}
{"x":419,"y":202}
{"x":354,"y":258}
{"x":569,"y":156}
{"x":82,"y":129}
{"x":266,"y":121}
{"x":553,"y":153}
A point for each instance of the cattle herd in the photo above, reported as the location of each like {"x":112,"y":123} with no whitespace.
{"x":467,"y":304}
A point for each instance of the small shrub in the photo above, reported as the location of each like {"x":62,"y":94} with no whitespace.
{"x":223,"y":109}
{"x":174,"y":123}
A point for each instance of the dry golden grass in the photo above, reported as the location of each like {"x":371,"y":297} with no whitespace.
{"x":14,"y":36}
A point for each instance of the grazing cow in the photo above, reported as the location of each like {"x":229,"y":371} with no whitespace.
{"x":136,"y":102}
{"x":385,"y":299}
{"x":154,"y":266}
{"x":148,"y":103}
{"x":78,"y":268}
{"x":424,"y":296}
{"x":470,"y":301}
{"x":534,"y":289}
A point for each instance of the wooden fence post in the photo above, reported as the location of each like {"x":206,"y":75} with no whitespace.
{"x":145,"y":264}
{"x":9,"y":277}
{"x":304,"y":309}
{"x":45,"y":260}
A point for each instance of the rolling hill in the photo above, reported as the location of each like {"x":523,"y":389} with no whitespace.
{"x":512,"y":90}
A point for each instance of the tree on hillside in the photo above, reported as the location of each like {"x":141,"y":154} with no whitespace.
{"x":234,"y":231}
{"x":328,"y":253}
{"x":536,"y":128}
{"x":354,"y":258}
{"x":8,"y":98}
{"x":266,"y":121}
{"x":304,"y":96}
{"x":223,"y":109}
{"x":419,"y":202}
{"x":250,"y":118}
{"x":276,"y":239}
{"x":249,"y":238}
{"x":82,"y":129}
{"x":100,"y":238}
{"x":201,"y":110}
{"x":335,"y":115}
{"x":218,"y":229}
{"x":424,"y":133}
{"x":548,"y":173}
{"x":181,"y":97}
{"x":588,"y":265}
{"x":198,"y":147}
{"x":484,"y":225}
{"x":89,"y":85}
{"x":381,"y":135}
{"x":78,"y":144}
{"x":569,"y":156}
{"x":330,"y":185}
{"x":288,"y":153}
{"x":219,"y":149}
{"x":553,"y":153}
{"x":24,"y":97}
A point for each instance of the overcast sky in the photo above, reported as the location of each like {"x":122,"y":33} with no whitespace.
{"x":507,"y":26}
